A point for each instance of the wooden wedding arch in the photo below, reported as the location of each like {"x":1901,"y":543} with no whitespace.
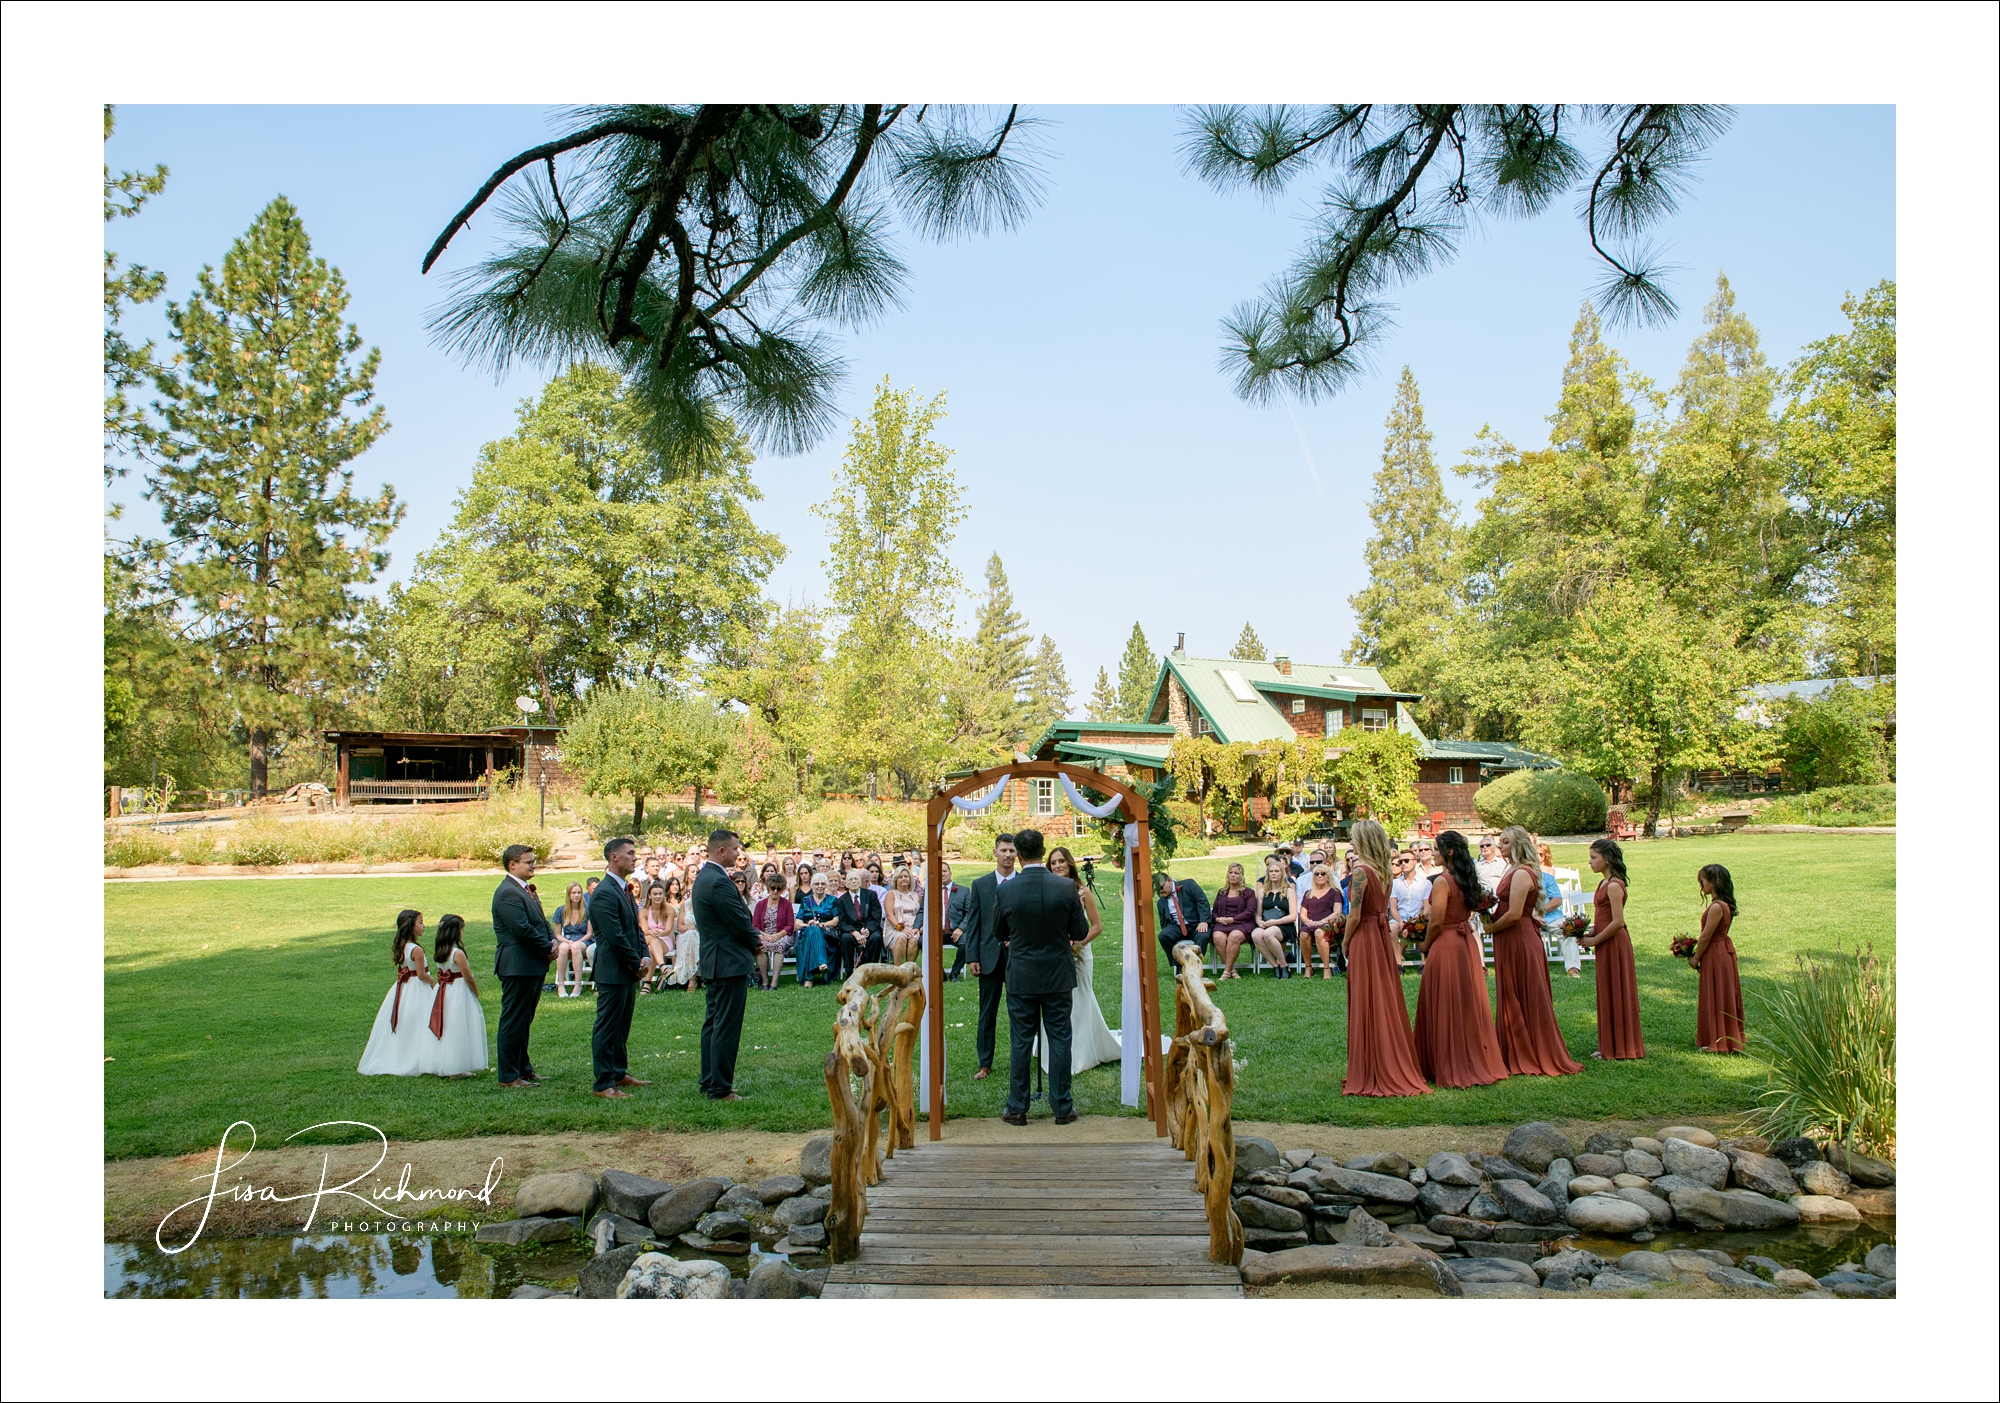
{"x":1132,"y":810}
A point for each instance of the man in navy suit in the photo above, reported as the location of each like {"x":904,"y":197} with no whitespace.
{"x":620,"y":963}
{"x":1038,"y":919}
{"x":522,"y":947}
{"x":726,"y":960}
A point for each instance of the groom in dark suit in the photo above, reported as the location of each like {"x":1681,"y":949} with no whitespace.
{"x":620,"y":964}
{"x":522,"y":948}
{"x":1039,"y":919}
{"x":725,"y":960}
{"x":986,"y":952}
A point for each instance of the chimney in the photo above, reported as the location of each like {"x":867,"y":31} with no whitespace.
{"x":1284,"y":662}
{"x":1180,"y":644}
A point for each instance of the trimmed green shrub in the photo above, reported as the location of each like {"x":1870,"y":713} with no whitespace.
{"x":1544,"y":802}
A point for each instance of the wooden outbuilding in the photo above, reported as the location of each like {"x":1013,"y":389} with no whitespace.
{"x":415,"y":767}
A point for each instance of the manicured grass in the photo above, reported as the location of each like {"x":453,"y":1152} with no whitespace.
{"x":251,"y":1000}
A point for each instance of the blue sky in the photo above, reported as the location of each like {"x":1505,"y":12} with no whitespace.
{"x":1080,"y":353}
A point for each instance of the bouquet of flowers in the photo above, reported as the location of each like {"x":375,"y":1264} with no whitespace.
{"x":1575,"y":926}
{"x":1417,"y":926}
{"x":1683,"y":947}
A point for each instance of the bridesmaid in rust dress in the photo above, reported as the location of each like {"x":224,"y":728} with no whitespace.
{"x":1618,"y":1033}
{"x":1718,"y":1017}
{"x":1381,"y":1055}
{"x":1456,"y":1045}
{"x":1531,"y":1043}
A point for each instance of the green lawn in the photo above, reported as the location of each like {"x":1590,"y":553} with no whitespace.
{"x":251,"y":1000}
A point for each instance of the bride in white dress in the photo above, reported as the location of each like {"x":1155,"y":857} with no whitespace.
{"x":1091,"y":1040}
{"x":396,"y":1044}
{"x":454,"y":1039}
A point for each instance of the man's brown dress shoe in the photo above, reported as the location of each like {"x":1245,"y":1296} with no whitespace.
{"x":982,"y":1074}
{"x":633,"y":1081}
{"x":613,"y":1094}
{"x":1013,"y":1119}
{"x":1066,"y":1118}
{"x":518,"y":1081}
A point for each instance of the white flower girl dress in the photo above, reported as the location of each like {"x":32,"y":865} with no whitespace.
{"x":454,"y":1042}
{"x":396,"y":1044}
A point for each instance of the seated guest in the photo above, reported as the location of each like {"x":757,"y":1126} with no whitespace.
{"x":1491,"y":867}
{"x":1409,"y":889}
{"x":957,"y":900}
{"x":899,"y":917}
{"x":1277,"y":914}
{"x":860,"y":926}
{"x":1320,"y":916}
{"x":1232,"y":916}
{"x":656,"y":926}
{"x":802,"y":881}
{"x":1552,"y":914}
{"x":572,"y":941}
{"x":875,"y":884}
{"x":1183,"y":913}
{"x":774,"y":919}
{"x":816,"y":919}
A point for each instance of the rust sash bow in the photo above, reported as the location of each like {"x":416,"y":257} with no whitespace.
{"x":437,"y":1005}
{"x":403,"y":976}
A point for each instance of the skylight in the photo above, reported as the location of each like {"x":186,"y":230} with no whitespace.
{"x":1238,"y":688}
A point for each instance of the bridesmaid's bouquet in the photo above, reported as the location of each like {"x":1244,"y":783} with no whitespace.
{"x":1576,"y":925}
{"x":1683,"y":947}
{"x":1417,"y":926}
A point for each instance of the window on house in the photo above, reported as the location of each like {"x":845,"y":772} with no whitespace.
{"x":1201,"y":726}
{"x":1335,"y":719}
{"x":1374,"y":719}
{"x":1455,"y":775}
{"x":1045,"y":797}
{"x":1298,"y":706}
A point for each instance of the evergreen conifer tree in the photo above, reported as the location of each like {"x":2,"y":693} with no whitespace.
{"x":1103,"y":699}
{"x":1138,"y":669}
{"x":1002,"y":656}
{"x":270,"y":541}
{"x":1048,"y":687}
{"x":1249,"y":647}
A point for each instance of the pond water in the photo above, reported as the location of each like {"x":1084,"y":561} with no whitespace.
{"x":333,"y":1266}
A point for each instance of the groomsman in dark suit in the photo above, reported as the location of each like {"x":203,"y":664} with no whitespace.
{"x":726,"y":960}
{"x":1039,"y":918}
{"x":620,"y":963}
{"x":522,"y":948}
{"x":985,"y":952}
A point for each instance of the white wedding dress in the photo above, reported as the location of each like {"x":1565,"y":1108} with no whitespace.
{"x":1091,"y":1040}
{"x":462,"y":1048}
{"x":400,"y":1051}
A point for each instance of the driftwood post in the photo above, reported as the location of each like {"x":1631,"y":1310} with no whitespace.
{"x":1200,"y":1082}
{"x":874,"y":1039}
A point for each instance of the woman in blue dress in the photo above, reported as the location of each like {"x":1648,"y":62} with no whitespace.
{"x":816,"y":918}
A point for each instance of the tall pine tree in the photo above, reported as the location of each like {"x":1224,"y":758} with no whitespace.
{"x":1402,"y":615}
{"x":1138,"y":670}
{"x":1003,"y":658}
{"x":1249,"y":647}
{"x":1048,"y":687}
{"x":271,"y":542}
{"x":1103,"y":704}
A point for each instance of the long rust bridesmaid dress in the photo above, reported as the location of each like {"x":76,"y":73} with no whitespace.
{"x":1381,"y":1055}
{"x":1718,"y":1010}
{"x":1618,"y":1032}
{"x":1456,"y":1045}
{"x":1531,"y":1042}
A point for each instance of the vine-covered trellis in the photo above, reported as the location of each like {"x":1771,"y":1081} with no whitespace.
{"x":1222,"y":774}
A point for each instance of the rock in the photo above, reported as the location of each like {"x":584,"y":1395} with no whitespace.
{"x":1556,"y":1191}
{"x":1834,"y":1280}
{"x":1273,"y":1175}
{"x":1418,"y":1176}
{"x":1605,"y":1143}
{"x":1535,"y":1144}
{"x":1819,"y":1208}
{"x":1461,"y":1229}
{"x":1486,"y":1209}
{"x":778,"y":1188}
{"x":674,"y":1213}
{"x":1495,"y":1269}
{"x":1450,"y":1170}
{"x":1631,"y":1181}
{"x":1392,"y":1164}
{"x":1604,"y":1214}
{"x":1756,"y":1144}
{"x":1646,"y":1235}
{"x":1644,"y":1165}
{"x":1648,"y":1144}
{"x":1699,"y":1263}
{"x":1261,"y":1213}
{"x":1874,"y":1203}
{"x":1736,"y":1276}
{"x":1882,"y":1260}
{"x":1523,"y":1252}
{"x":773,"y":1280}
{"x":516,"y":1231}
{"x":1521,"y":1232}
{"x":1365,"y":1163}
{"x":1297,"y":1159}
{"x":1732,"y":1208}
{"x":1380,"y":1188}
{"x":1620,"y":1281}
{"x":621,"y":1230}
{"x":1795,"y":1279}
{"x":1659,"y":1212}
{"x":1765,"y":1266}
{"x":1589,"y":1184}
{"x":823,"y":1192}
{"x":816,"y":1160}
{"x":1399,"y":1265}
{"x":1665,"y":1185}
{"x":1426,"y":1239}
{"x":1255,"y":1152}
{"x":1267,"y":1240}
{"x":1501,"y":1167}
{"x":1600,"y":1166}
{"x":1563,"y":1281}
{"x":1304,"y":1180}
{"x":1697,"y":1162}
{"x":1524,"y":1205}
{"x":1750,"y":1169}
{"x":1281,"y":1194}
{"x":1435,"y":1198}
{"x":740,"y":1199}
{"x":1570,"y":1262}
{"x":1796,"y":1151}
{"x":1361,"y":1230}
{"x":1872,"y":1173}
{"x":629,"y":1195}
{"x":808,"y":1237}
{"x":570,"y":1195}
{"x":1646,"y":1264}
{"x":724,"y":1226}
{"x":528,"y":1291}
{"x":655,"y":1276}
{"x":696,"y":1242}
{"x":814,"y":1280}
{"x":796,"y":1211}
{"x":1693,"y":1134}
{"x":1560,"y":1169}
{"x":1816,"y":1176}
{"x":603,"y":1274}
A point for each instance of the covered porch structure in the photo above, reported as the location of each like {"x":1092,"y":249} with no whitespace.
{"x":414,"y":767}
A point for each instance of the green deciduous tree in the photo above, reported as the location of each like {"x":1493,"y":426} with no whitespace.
{"x":780,"y":674}
{"x":126,"y":366}
{"x":1403,"y":616}
{"x":1138,"y":670}
{"x":1248,"y":646}
{"x":265,"y":410}
{"x":756,"y":772}
{"x":1103,"y":704}
{"x":1839,"y":737}
{"x":642,"y":740}
{"x":1376,"y":775}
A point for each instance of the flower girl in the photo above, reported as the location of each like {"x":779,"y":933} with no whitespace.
{"x":396,"y":1045}
{"x":456,"y":1042}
